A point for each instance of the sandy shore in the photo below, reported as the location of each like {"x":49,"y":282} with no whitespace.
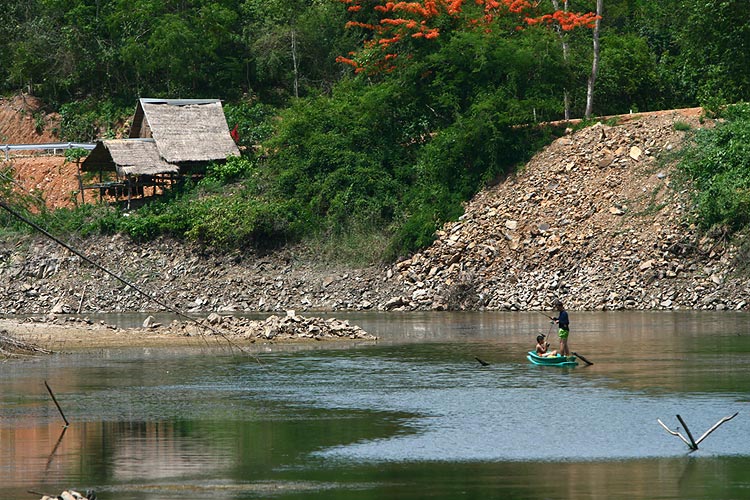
{"x":56,"y":337}
{"x":60,"y":335}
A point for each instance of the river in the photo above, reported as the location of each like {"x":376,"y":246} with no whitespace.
{"x":413,"y":415}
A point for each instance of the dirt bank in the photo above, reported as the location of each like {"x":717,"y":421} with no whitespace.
{"x":24,"y":121}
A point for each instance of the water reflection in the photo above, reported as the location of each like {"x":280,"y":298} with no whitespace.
{"x":412,"y":416}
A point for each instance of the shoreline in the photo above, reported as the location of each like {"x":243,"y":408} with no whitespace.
{"x":216,"y":331}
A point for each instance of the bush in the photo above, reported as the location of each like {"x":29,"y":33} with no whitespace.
{"x":235,"y":167}
{"x":91,"y":119}
{"x":717,"y":162}
{"x":252,"y":121}
{"x":227,"y":223}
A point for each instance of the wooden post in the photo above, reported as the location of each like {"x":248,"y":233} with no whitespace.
{"x":56,"y":403}
{"x":130,"y":186}
{"x":80,"y":304}
{"x":80,"y":180}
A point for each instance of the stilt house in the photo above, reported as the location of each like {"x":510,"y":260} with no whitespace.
{"x":169,"y":139}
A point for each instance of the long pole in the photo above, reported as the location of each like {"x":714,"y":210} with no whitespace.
{"x":7,"y":207}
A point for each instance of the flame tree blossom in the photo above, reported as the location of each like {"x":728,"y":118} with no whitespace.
{"x":392,"y":24}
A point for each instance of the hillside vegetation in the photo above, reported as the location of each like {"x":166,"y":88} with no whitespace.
{"x":443,"y":103}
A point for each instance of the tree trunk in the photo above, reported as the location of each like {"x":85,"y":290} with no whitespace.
{"x":566,"y":50}
{"x":595,"y":63}
{"x":294,"y":62}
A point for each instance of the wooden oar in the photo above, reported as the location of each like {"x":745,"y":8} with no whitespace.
{"x":588,"y":363}
{"x":483,"y":363}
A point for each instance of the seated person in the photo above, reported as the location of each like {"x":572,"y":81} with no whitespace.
{"x":542,"y":346}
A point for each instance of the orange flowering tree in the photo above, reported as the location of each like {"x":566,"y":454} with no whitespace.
{"x":391,"y":26}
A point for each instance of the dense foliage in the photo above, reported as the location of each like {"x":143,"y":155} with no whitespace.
{"x":63,"y":50}
{"x":718,"y":163}
{"x":445,"y":96}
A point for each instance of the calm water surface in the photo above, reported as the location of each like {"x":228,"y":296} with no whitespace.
{"x":413,"y":415}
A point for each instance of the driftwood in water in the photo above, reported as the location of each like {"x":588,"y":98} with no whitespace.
{"x":56,"y":403}
{"x":692,"y":443}
{"x":10,"y":346}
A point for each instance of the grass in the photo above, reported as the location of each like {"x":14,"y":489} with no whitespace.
{"x":358,"y":247}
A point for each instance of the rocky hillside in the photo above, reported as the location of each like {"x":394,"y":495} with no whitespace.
{"x":594,"y":219}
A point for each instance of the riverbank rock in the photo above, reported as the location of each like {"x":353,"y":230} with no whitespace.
{"x":278,"y":328}
{"x":71,"y":495}
{"x":596,"y":219}
{"x":275,"y":328}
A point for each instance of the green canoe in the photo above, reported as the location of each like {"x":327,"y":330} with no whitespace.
{"x":556,"y":360}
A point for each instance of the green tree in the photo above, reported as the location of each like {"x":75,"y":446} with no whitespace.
{"x":293,"y":45}
{"x":628,"y":75}
{"x":714,"y":45}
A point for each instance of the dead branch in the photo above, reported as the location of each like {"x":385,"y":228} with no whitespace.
{"x":56,"y":403}
{"x":692,"y":443}
{"x":10,"y":346}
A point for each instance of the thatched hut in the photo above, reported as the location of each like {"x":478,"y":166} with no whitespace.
{"x":169,"y":138}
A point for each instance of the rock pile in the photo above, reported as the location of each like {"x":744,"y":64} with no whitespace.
{"x":71,"y":495}
{"x":273,"y":328}
{"x":38,"y":276}
{"x":594,"y":219}
{"x":289,"y":327}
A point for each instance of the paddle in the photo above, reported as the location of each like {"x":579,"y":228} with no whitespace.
{"x":483,"y":363}
{"x":588,"y":363}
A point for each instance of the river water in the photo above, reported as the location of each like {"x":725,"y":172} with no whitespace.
{"x":413,"y":415}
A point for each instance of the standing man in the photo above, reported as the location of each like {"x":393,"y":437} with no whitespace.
{"x":564,"y":326}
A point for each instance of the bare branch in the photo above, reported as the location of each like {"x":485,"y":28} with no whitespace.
{"x":674,"y":433}
{"x":693,"y":444}
{"x":716,"y":425}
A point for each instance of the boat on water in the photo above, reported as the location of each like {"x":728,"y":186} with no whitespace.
{"x":556,"y":360}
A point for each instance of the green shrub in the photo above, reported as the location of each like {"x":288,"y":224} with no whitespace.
{"x":91,"y":119}
{"x":235,"y":167}
{"x":717,"y":162}
{"x":227,"y":223}
{"x":253,"y":121}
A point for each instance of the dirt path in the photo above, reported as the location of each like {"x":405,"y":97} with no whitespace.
{"x":60,"y":338}
{"x":23,"y":121}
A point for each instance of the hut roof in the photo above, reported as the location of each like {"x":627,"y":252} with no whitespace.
{"x":185,"y":130}
{"x":127,"y":157}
